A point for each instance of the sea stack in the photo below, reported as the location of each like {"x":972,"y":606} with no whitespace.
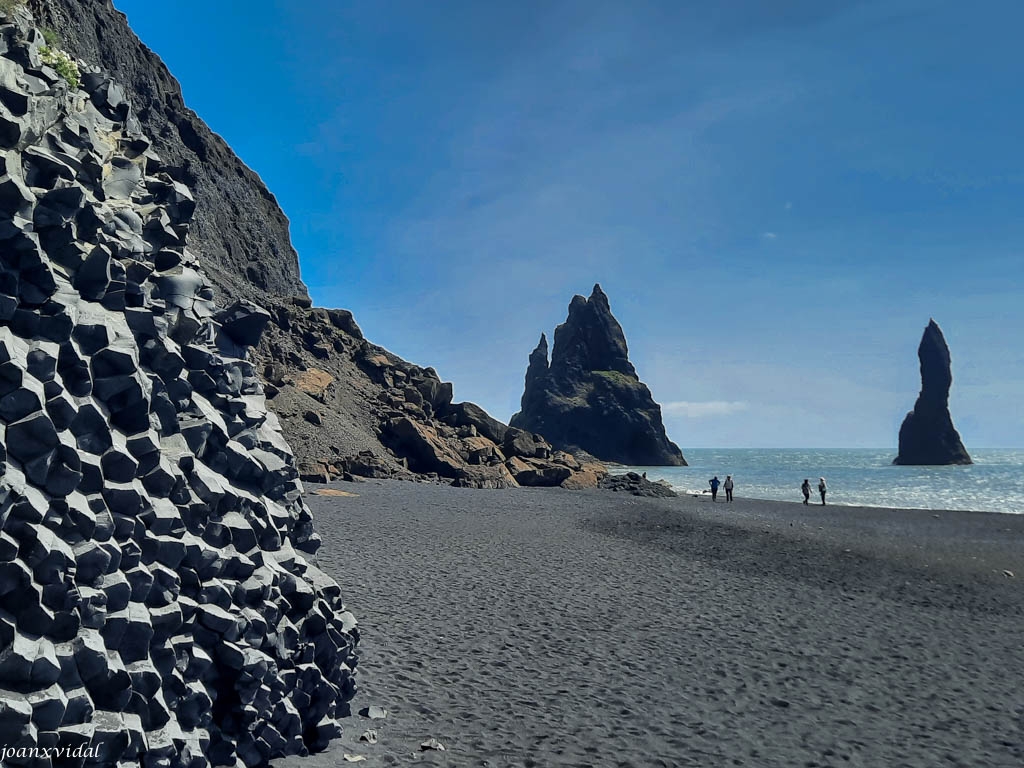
{"x":589,"y":397}
{"x":928,"y":435}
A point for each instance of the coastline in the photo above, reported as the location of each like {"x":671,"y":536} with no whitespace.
{"x":846,"y":505}
{"x":863,"y":477}
{"x":536,"y":627}
{"x":851,"y":506}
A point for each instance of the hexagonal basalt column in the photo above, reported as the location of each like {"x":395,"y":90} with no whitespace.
{"x":155,"y":599}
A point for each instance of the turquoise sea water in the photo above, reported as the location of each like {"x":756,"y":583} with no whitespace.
{"x":994,"y":483}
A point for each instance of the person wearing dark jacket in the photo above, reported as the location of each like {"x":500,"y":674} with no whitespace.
{"x":806,"y":489}
{"x":714,"y":483}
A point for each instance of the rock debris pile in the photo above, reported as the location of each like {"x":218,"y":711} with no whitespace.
{"x":158,"y":597}
{"x":323,"y":377}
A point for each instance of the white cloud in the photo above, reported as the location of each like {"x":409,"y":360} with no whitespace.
{"x":700,"y":410}
{"x":769,"y":235}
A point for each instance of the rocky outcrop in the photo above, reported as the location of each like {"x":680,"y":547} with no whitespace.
{"x":637,"y":485}
{"x":356,"y":409}
{"x":927,"y":435}
{"x":589,"y":396}
{"x":159,"y":600}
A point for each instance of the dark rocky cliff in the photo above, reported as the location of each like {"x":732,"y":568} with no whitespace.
{"x":159,"y":598}
{"x":589,"y":397}
{"x":927,"y":435}
{"x":238,"y":225}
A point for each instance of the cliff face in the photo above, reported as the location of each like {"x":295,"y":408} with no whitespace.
{"x":159,"y":602}
{"x":238,"y":226}
{"x":338,"y":395}
{"x":589,"y":398}
{"x":927,"y":435}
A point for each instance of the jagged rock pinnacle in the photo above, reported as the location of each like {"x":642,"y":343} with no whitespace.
{"x":539,"y":358}
{"x":589,"y":397}
{"x":928,"y":435}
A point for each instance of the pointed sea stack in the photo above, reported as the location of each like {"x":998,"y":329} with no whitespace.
{"x":590,"y":397}
{"x":928,"y":435}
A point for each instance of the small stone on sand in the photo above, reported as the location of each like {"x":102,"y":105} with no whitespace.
{"x":374,"y":712}
{"x":432,"y":744}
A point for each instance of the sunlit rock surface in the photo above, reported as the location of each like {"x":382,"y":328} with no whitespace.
{"x":158,"y":597}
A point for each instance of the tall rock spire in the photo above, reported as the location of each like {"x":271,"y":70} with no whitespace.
{"x":590,"y":396}
{"x":536,"y":377}
{"x":538,"y":368}
{"x":928,"y":435}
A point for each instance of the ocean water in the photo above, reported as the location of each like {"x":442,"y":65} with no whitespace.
{"x":994,"y":483}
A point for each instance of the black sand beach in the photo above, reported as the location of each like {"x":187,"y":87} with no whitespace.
{"x":546,"y":627}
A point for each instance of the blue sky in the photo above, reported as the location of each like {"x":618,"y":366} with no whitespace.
{"x":776,"y":196}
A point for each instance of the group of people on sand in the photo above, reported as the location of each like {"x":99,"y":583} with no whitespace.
{"x":728,"y":485}
{"x":805,"y":489}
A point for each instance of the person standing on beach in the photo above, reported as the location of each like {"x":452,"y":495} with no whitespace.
{"x":714,"y":483}
{"x":822,"y":488}
{"x":806,"y":488}
{"x":728,"y":487}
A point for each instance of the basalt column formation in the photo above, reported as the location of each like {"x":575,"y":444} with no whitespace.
{"x":159,"y":601}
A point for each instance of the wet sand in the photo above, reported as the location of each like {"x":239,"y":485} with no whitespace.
{"x":542,"y":627}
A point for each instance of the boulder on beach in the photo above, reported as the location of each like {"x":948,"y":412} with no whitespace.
{"x":637,"y":485}
{"x":589,"y":396}
{"x":928,"y":436}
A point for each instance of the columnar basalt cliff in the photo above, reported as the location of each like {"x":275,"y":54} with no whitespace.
{"x":238,"y":226}
{"x":159,"y":601}
{"x":928,"y":435}
{"x":590,"y":398}
{"x":343,"y":401}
